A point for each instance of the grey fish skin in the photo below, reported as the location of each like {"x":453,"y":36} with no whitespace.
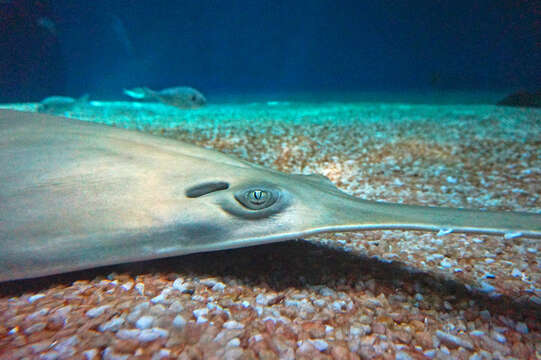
{"x":76,"y":195}
{"x":182,"y":97}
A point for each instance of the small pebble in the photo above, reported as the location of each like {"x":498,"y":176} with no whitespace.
{"x":179,"y":322}
{"x":522,"y":328}
{"x":232,"y":324}
{"x":499,"y":337}
{"x":319,"y":344}
{"x":97,"y":311}
{"x":233,"y":342}
{"x":144,"y":322}
{"x":220,"y":286}
{"x":148,"y":335}
{"x":112,"y":325}
{"x":452,"y":340}
{"x":90,"y":354}
{"x":127,"y":334}
{"x":35,"y":298}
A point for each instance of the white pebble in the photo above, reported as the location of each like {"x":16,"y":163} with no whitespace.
{"x":232,"y":324}
{"x":127,"y":286}
{"x":446,"y":263}
{"x":516,"y":273}
{"x":36,"y":297}
{"x":319,"y":344}
{"x":499,"y":337}
{"x":455,"y":340}
{"x":451,"y":180}
{"x":140,"y":287}
{"x":127,"y":334}
{"x":112,"y":325}
{"x":179,"y":322}
{"x":233,"y":343}
{"x":200,"y":312}
{"x":163,"y":353}
{"x":144,"y":322}
{"x":97,"y":311}
{"x":90,"y":354}
{"x":220,"y":286}
{"x":402,"y":356}
{"x":477,"y":333}
{"x":338,"y":305}
{"x":148,"y":335}
{"x":179,"y":285}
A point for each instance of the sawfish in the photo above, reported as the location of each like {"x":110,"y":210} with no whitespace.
{"x":76,"y":195}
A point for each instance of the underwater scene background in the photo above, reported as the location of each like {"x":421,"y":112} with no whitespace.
{"x":424,"y":102}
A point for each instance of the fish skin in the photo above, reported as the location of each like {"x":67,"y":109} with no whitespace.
{"x":77,"y":195}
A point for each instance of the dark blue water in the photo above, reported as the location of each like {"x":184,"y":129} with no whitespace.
{"x":260,"y":47}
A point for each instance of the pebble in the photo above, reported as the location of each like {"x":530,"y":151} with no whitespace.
{"x":176,"y":307}
{"x":140,"y":287}
{"x":97,"y":311}
{"x":179,"y":322}
{"x":516,"y":273}
{"x":232,"y":324}
{"x":35,"y":298}
{"x":338,"y":306}
{"x":235,"y":342}
{"x":90,"y":354}
{"x":452,"y":340}
{"x":319,"y":344}
{"x":325,"y":291}
{"x":148,"y":335}
{"x":127,"y":285}
{"x":128,"y":334}
{"x":144,"y":322}
{"x":402,"y":356}
{"x":522,"y":328}
{"x":499,"y":337}
{"x":201,"y":312}
{"x":112,"y":325}
{"x":220,"y":286}
{"x":109,"y":354}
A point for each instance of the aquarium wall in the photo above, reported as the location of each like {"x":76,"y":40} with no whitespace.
{"x":222,"y":47}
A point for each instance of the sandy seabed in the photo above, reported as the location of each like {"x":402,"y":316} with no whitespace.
{"x":368,"y":295}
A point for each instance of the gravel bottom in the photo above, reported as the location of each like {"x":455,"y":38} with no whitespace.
{"x":378,"y":294}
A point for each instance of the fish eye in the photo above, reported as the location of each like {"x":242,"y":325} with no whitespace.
{"x":257,"y":198}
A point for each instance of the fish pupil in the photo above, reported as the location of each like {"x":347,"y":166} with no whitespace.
{"x":258,"y":196}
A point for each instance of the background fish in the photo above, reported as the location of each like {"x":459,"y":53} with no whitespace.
{"x":182,"y":97}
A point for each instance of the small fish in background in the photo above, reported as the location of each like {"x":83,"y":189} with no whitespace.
{"x":59,"y":104}
{"x":182,"y":97}
{"x":47,"y":24}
